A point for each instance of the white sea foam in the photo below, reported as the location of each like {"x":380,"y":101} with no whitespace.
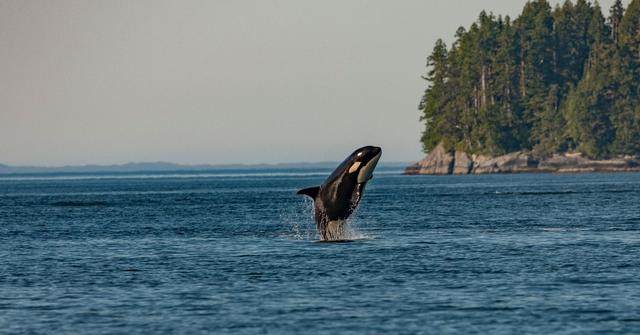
{"x":299,"y":220}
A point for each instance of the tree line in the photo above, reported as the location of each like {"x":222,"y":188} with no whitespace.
{"x":552,"y":80}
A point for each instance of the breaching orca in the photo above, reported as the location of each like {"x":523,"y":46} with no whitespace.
{"x":339,"y":195}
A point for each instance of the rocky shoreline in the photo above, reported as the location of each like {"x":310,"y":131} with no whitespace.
{"x":442,"y":162}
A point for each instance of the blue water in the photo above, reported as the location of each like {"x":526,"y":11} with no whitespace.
{"x":236,"y":252}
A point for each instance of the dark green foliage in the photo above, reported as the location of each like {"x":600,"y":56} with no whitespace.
{"x":549,"y":81}
{"x":439,"y":126}
{"x":615,"y":16}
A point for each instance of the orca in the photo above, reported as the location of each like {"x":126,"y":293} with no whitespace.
{"x":340,"y":194}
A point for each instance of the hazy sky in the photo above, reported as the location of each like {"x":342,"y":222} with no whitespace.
{"x":218,"y":81}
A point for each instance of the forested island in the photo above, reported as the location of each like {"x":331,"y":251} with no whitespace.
{"x":556,"y":89}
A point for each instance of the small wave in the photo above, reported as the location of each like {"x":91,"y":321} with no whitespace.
{"x":348,"y":239}
{"x":353,"y":234}
{"x":533,"y":192}
{"x":558,"y":192}
{"x":79,"y":203}
{"x":526,"y":193}
{"x":554,"y":230}
{"x":167,"y":175}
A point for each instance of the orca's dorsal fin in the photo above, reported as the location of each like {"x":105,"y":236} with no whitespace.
{"x":311,"y":191}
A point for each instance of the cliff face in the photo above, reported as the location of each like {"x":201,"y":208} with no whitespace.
{"x":442,"y":162}
{"x":439,"y":162}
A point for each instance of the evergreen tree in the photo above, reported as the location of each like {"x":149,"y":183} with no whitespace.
{"x":508,"y":121}
{"x":589,"y":127}
{"x":549,"y":133}
{"x":629,"y":35}
{"x":535,"y":29}
{"x":626,"y":75}
{"x":615,"y":16}
{"x":435,"y":98}
{"x":550,"y":81}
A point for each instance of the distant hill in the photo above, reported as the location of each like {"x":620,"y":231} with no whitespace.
{"x":552,"y":80}
{"x":171,"y":167}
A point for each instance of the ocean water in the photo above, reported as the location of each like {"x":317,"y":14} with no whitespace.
{"x":236,"y":252}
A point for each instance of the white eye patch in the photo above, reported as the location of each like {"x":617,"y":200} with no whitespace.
{"x":354,"y":167}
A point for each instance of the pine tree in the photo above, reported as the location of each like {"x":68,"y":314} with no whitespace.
{"x":550,"y":81}
{"x":435,"y":98}
{"x":535,"y":29}
{"x":629,"y":35}
{"x":626,"y":76}
{"x":587,"y":108}
{"x":549,"y":133}
{"x":508,"y":121}
{"x":616,"y":12}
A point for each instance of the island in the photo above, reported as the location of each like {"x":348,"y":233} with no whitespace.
{"x":554,"y":90}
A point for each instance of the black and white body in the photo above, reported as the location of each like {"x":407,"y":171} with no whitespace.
{"x":339,"y":195}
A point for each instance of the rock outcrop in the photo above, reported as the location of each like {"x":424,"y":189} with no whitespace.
{"x":462,"y":164}
{"x":577,"y":163}
{"x":515,"y":162}
{"x":442,"y":162}
{"x":438,"y":161}
{"x":412,"y":169}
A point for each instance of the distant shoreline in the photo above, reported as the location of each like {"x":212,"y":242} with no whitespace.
{"x":442,"y":162}
{"x":165,"y":167}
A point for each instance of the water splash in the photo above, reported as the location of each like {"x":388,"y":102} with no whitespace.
{"x":353,"y":231}
{"x":300,"y":223}
{"x":299,"y":220}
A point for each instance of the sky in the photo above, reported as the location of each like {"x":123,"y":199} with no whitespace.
{"x":218,"y":82}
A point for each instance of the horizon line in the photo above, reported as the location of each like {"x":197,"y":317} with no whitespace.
{"x":179,"y":165}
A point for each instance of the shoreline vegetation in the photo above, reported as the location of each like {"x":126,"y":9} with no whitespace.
{"x":554,"y":90}
{"x":442,"y":162}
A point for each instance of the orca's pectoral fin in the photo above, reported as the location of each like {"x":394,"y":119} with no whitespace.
{"x":311,"y":192}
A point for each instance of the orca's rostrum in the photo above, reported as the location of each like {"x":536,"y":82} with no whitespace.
{"x":340,"y":194}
